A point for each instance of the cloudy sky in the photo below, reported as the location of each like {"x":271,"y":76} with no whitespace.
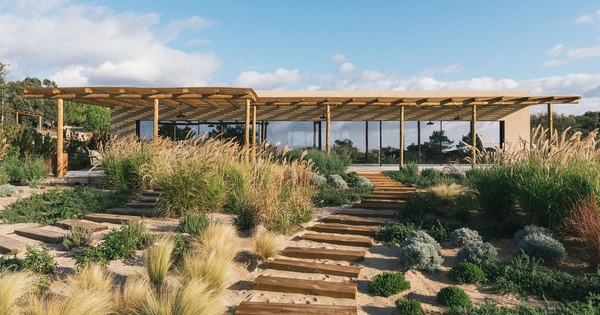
{"x":546,"y":46}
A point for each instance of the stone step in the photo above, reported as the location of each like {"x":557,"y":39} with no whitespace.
{"x":312,"y":267}
{"x":358,"y":212}
{"x":92,"y":226}
{"x":40,"y":234}
{"x":312,"y":287}
{"x":148,"y":212}
{"x":324,"y":253}
{"x":150,"y":193}
{"x":111,"y":218}
{"x":141,"y":205}
{"x":350,"y":220}
{"x":343,"y":229}
{"x":346,"y":240}
{"x":270,"y":308}
{"x":11,"y":245}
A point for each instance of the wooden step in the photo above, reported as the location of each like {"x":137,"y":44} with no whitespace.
{"x":312,"y":287}
{"x":148,"y":200}
{"x":368,"y":200}
{"x":312,"y":267}
{"x":141,"y":205}
{"x":11,"y":245}
{"x":346,"y":240}
{"x":111,"y":218}
{"x":92,"y":226}
{"x":343,"y":229}
{"x":378,"y":206}
{"x":40,"y":234}
{"x":350,"y":220}
{"x":149,"y":212}
{"x":150,"y":193}
{"x":357,"y":212}
{"x":324,"y":253}
{"x":269,"y":308}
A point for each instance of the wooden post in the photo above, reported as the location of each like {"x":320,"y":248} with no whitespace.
{"x":380,"y":144}
{"x":60,"y":167}
{"x":40,"y":124}
{"x":550,"y":121}
{"x":17,"y":117}
{"x":419,"y":142}
{"x":155,"y":133}
{"x":474,"y":136}
{"x":328,"y":130}
{"x":247,"y":130}
{"x":401,"y":149}
{"x":367,"y":142}
{"x":254,"y":133}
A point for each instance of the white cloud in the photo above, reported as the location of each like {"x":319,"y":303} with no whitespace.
{"x":572,"y":55}
{"x":279,"y":79}
{"x":91,"y":44}
{"x":589,"y":18}
{"x":556,"y":50}
{"x":448,"y":69}
{"x":346,"y":67}
{"x":339,"y":58}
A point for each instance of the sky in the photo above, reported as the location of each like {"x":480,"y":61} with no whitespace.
{"x":545,"y":46}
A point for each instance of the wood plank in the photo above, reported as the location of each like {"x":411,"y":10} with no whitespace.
{"x":40,"y":234}
{"x":312,"y":267}
{"x":141,"y":205}
{"x":150,"y":193}
{"x":358,"y":212}
{"x":350,"y":220}
{"x":343,"y":229}
{"x":11,"y":245}
{"x":111,"y":218}
{"x":150,"y":212}
{"x":269,"y":308}
{"x":148,"y":200}
{"x":346,"y":240}
{"x":92,"y":226}
{"x":312,"y":287}
{"x":324,"y":253}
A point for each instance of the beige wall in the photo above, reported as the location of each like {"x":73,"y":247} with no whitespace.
{"x":517,"y":125}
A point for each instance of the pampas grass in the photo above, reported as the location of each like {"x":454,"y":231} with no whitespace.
{"x":264,"y":244}
{"x":13,"y":287}
{"x":93,"y":278}
{"x":211,"y":268}
{"x":157,"y":261}
{"x":79,"y":302}
{"x":133,"y":296}
{"x":217,"y":237}
{"x":195,"y":297}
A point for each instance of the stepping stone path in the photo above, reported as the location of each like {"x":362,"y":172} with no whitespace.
{"x":348,"y":227}
{"x":134,"y":212}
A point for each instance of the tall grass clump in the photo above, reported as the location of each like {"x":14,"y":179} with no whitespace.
{"x":157,"y":261}
{"x":325,"y":164}
{"x":122,"y":161}
{"x":14,"y":286}
{"x":264,"y":244}
{"x":585,"y":224}
{"x":194,"y":223}
{"x":538,"y":181}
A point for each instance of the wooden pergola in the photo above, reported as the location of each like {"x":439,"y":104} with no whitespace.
{"x":226,"y":103}
{"x":23,"y":113}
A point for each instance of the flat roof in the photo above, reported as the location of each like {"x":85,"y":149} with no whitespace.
{"x":227,"y":103}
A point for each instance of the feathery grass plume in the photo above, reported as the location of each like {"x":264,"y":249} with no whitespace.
{"x":217,"y":237}
{"x":14,"y":286}
{"x":212,"y":268}
{"x":585,"y":223}
{"x":157,"y":261}
{"x":264,"y":244}
{"x":92,"y":278}
{"x":196,"y":298}
{"x":79,"y":302}
{"x":133,"y":295}
{"x":446,"y":192}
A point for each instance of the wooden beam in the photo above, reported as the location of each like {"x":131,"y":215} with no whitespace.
{"x":474,"y":136}
{"x":155,"y":134}
{"x":328,"y":130}
{"x":401,"y":151}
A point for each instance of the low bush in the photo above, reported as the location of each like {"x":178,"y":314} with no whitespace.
{"x":419,"y":205}
{"x":438,"y":231}
{"x":388,"y":284}
{"x":408,"y":307}
{"x":453,"y":297}
{"x":194,"y":223}
{"x":125,"y":241}
{"x":91,"y":256}
{"x":264,"y":245}
{"x":12,"y":166}
{"x":466,"y":272}
{"x":77,"y":237}
{"x":92,"y":278}
{"x":530,"y":229}
{"x":585,"y":223}
{"x":8,"y":190}
{"x":429,"y":177}
{"x":588,"y":307}
{"x":478,"y":253}
{"x":464,"y":236}
{"x":325,"y":164}
{"x":181,"y":246}
{"x":39,"y":260}
{"x":395,"y":233}
{"x":316,"y":179}
{"x":420,"y":236}
{"x":363,"y":181}
{"x":337,"y":181}
{"x":34,"y":171}
{"x":420,"y":256}
{"x":542,"y":246}
{"x":329,"y":196}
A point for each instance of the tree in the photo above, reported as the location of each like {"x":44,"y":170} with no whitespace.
{"x":438,"y":142}
{"x":584,"y":123}
{"x":347,"y":147}
{"x":462,"y":147}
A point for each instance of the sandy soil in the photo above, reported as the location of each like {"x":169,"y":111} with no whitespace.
{"x":424,"y":286}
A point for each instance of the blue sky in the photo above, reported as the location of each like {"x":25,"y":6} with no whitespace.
{"x":548,"y":47}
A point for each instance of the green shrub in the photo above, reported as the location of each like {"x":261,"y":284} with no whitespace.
{"x":181,"y":247}
{"x":12,"y":166}
{"x":34,"y":171}
{"x":494,"y":191}
{"x":337,"y":181}
{"x":388,"y":283}
{"x":588,"y":307}
{"x":39,"y":260}
{"x":328,"y":196}
{"x":323,"y":163}
{"x":420,"y":256}
{"x":530,"y":229}
{"x":466,"y":272}
{"x":420,"y":236}
{"x":8,"y":190}
{"x":194,"y":223}
{"x":453,"y":297}
{"x":478,"y":253}
{"x":125,"y":241}
{"x":394,"y":233}
{"x":4,"y":178}
{"x":438,"y":231}
{"x":317,"y":180}
{"x":77,"y":237}
{"x":91,"y":256}
{"x":429,"y":177}
{"x":464,"y":236}
{"x":408,"y":307}
{"x":542,"y":246}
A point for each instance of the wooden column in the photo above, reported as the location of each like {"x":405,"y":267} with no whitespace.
{"x":60,"y":165}
{"x":401,"y":149}
{"x":367,"y":142}
{"x":155,"y":133}
{"x":247,"y":130}
{"x":474,"y":136}
{"x":254,"y":133}
{"x":550,"y":121}
{"x":328,"y":130}
{"x":17,"y":118}
{"x":419,"y":142}
{"x":40,"y":124}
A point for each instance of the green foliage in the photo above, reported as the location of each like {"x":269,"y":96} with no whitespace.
{"x":420,"y":256}
{"x":323,"y":163}
{"x":317,"y":180}
{"x":531,"y":229}
{"x":329,"y":196}
{"x":466,"y":272}
{"x":388,"y":283}
{"x":478,"y":253}
{"x":122,"y":166}
{"x":77,"y":237}
{"x":420,"y":236}
{"x":55,"y":205}
{"x":453,"y":296}
{"x":12,"y":166}
{"x":194,"y":223}
{"x":591,"y":306}
{"x":408,"y":307}
{"x":438,"y":231}
{"x":34,"y":171}
{"x":8,"y":190}
{"x":464,"y":236}
{"x":125,"y":241}
{"x":428,"y":177}
{"x":458,"y":208}
{"x":39,"y":260}
{"x":542,"y":246}
{"x":10,"y":264}
{"x":395,"y":233}
{"x":181,"y":247}
{"x":337,"y":181}
{"x":494,"y":191}
{"x":91,"y":256}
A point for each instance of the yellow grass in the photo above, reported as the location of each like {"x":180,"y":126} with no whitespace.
{"x":217,"y":237}
{"x":13,"y":287}
{"x":211,"y":268}
{"x":195,"y":297}
{"x":446,"y":192}
{"x":80,"y":302}
{"x":264,"y":244}
{"x":91,"y":278}
{"x":157,"y":261}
